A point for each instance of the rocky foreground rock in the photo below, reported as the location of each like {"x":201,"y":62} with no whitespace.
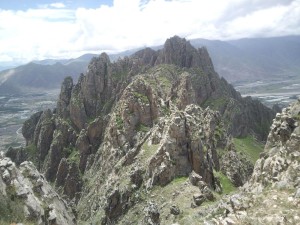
{"x":272,"y":195}
{"x":145,"y":139}
{"x":25,"y":195}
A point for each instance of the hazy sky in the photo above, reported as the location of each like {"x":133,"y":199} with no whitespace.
{"x":31,"y":30}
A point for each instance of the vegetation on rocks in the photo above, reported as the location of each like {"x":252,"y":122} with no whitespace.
{"x":159,"y":137}
{"x":249,"y":146}
{"x":226,"y":184}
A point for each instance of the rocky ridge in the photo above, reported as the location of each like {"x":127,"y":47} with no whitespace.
{"x":26,"y":196}
{"x":272,"y":194}
{"x":131,"y":126}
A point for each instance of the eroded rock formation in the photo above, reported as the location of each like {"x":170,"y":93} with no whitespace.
{"x":129,"y":126}
{"x":25,"y":195}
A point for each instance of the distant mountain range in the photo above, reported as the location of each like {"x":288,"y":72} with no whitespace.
{"x":45,"y":74}
{"x":253,"y":59}
{"x":242,"y":60}
{"x":84,"y":58}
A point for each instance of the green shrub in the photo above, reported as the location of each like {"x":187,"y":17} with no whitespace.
{"x":142,"y":97}
{"x":119,"y":122}
{"x":74,"y":156}
{"x":143,"y":128}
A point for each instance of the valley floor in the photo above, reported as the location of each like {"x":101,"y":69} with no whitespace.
{"x":15,"y":109}
{"x":282,"y":92}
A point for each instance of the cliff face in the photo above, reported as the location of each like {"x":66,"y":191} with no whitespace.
{"x":138,"y":123}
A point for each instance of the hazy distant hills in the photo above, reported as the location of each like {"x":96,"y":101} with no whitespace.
{"x":255,"y":58}
{"x":46,"y":74}
{"x":42,"y":75}
{"x":82,"y":59}
{"x":242,"y":60}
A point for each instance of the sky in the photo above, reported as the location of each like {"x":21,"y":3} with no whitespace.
{"x":36,"y":30}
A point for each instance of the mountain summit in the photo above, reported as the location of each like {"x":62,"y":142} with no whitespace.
{"x":138,"y":126}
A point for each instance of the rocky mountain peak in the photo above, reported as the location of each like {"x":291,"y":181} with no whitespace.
{"x":147,"y":55}
{"x":65,"y":96}
{"x":180,"y":52}
{"x":102,"y":59}
{"x":137,"y":124}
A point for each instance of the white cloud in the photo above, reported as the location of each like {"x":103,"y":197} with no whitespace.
{"x":5,"y":58}
{"x":58,"y":5}
{"x":272,"y":21}
{"x":31,"y":35}
{"x":55,"y":31}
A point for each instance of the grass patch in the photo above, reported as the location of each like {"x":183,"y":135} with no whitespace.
{"x":179,"y":180}
{"x":162,"y":77}
{"x":227,"y":186}
{"x":142,"y":97}
{"x":147,"y":152}
{"x":143,"y":128}
{"x":179,"y":194}
{"x":119,"y":122}
{"x":219,"y":132}
{"x":216,"y":103}
{"x":297,"y":117}
{"x":164,"y":82}
{"x":249,"y":146}
{"x":74,"y":156}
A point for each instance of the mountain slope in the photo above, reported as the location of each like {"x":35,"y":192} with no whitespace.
{"x":255,"y":58}
{"x":140,"y":125}
{"x":42,"y":75}
{"x":272,"y":195}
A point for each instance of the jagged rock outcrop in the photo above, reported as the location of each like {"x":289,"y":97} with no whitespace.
{"x":44,"y":134}
{"x":68,"y":179}
{"x":271,"y":196}
{"x":178,"y":51}
{"x":174,"y":146}
{"x":97,"y":85}
{"x":187,"y":144}
{"x":18,"y":155}
{"x":29,"y":127}
{"x":236,"y":166}
{"x":64,"y":97}
{"x":279,"y":163}
{"x":148,"y":56}
{"x":25,"y":195}
{"x":152,"y":214}
{"x":156,"y":142}
{"x":129,"y":126}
